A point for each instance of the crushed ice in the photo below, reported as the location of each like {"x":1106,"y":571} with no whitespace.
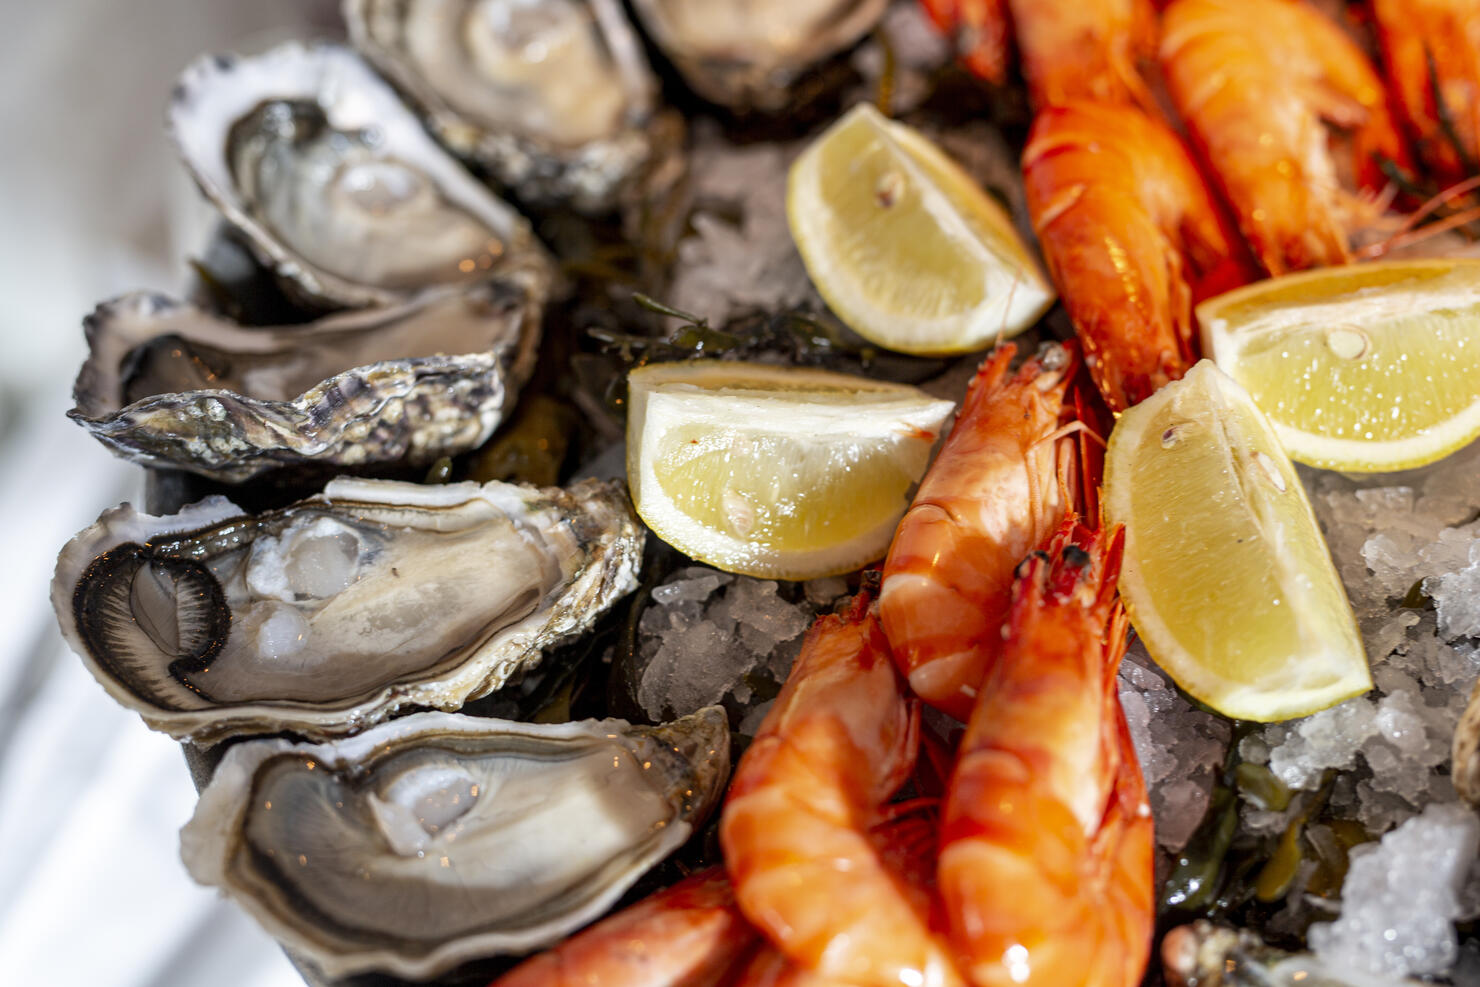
{"x":708,"y":636}
{"x":1407,"y":546}
{"x":1392,"y":923}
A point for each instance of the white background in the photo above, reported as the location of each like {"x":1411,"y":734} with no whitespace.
{"x":93,"y":203}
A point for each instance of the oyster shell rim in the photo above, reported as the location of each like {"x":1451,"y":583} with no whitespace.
{"x":304,"y":278}
{"x":742,"y":83}
{"x":609,"y":574}
{"x":580,"y":176}
{"x":241,"y":759}
{"x":302,"y":442}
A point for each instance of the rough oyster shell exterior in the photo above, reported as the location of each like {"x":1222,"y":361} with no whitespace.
{"x":406,"y":384}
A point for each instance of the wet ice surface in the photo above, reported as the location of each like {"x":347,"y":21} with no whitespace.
{"x":711,"y":637}
{"x":1388,"y":534}
{"x":740,"y":257}
{"x":1408,"y":538}
{"x":1180,"y":746}
{"x":1391,"y":923}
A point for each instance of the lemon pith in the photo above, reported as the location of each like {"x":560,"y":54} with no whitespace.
{"x":903,"y":245}
{"x":1365,"y":368}
{"x":773,"y":471}
{"x":1226,"y":576}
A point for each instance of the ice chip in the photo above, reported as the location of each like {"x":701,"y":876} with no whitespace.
{"x":1400,"y":899}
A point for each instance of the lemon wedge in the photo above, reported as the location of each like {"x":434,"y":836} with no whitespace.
{"x":1363,"y":368}
{"x":904,"y":246}
{"x":772,"y":471}
{"x":1226,"y":576}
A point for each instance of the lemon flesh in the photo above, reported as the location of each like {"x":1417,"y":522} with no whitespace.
{"x":775,"y":471}
{"x":904,"y":246}
{"x":1226,"y":576}
{"x":1363,"y":368}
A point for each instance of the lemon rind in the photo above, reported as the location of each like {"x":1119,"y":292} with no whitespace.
{"x":1012,"y":305}
{"x":1332,"y":664}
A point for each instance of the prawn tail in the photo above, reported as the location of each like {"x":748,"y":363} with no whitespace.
{"x":979,"y":31}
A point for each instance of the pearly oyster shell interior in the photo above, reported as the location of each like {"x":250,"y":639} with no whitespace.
{"x":329,"y":615}
{"x":334,"y":181}
{"x":438,"y":838}
{"x":553,"y":97}
{"x":747,"y":54}
{"x":169,"y":385}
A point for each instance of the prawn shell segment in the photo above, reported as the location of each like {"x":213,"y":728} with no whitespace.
{"x":799,"y":826}
{"x":1258,"y":82}
{"x":995,"y":491}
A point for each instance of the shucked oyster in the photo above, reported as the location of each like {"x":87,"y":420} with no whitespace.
{"x":747,"y":53}
{"x":554,"y":97}
{"x":440,"y":838}
{"x":334,"y":181}
{"x":169,"y":385}
{"x":330,"y":614}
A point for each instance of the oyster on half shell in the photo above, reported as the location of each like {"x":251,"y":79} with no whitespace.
{"x":553,"y":97}
{"x":439,"y":838}
{"x":333,"y":180}
{"x":330,"y":614}
{"x":746,"y":54}
{"x":169,"y":385}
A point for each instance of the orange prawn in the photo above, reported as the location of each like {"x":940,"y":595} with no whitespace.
{"x":1431,"y":54}
{"x":1070,"y":49}
{"x":1046,"y":839}
{"x":979,"y":30}
{"x":798,"y":826}
{"x":1256,"y":81}
{"x":689,"y":935}
{"x":908,"y":847}
{"x":996,"y":490}
{"x":1133,"y":239}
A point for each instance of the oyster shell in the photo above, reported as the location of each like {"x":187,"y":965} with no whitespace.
{"x":169,"y":385}
{"x":334,"y":181}
{"x":553,"y":97}
{"x":330,"y":614}
{"x":747,"y":54}
{"x":440,"y":838}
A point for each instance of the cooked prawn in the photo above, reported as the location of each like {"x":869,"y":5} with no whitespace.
{"x":995,"y":491}
{"x":979,"y":29}
{"x":689,"y":935}
{"x":798,"y":826}
{"x":1133,"y":240}
{"x":907,"y":845}
{"x":1254,"y":80}
{"x":1431,"y":53}
{"x":1046,"y":840}
{"x":1070,"y":49}
{"x":1084,"y":49}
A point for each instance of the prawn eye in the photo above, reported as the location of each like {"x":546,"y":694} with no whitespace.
{"x":1075,"y":556}
{"x":1022,"y":566}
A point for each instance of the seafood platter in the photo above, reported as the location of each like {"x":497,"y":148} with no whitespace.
{"x":838,"y":492}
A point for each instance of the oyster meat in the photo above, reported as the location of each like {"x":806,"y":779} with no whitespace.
{"x":330,"y":614}
{"x":553,"y":97}
{"x":333,"y":180}
{"x":439,"y":838}
{"x":167,"y":384}
{"x":747,"y":54}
